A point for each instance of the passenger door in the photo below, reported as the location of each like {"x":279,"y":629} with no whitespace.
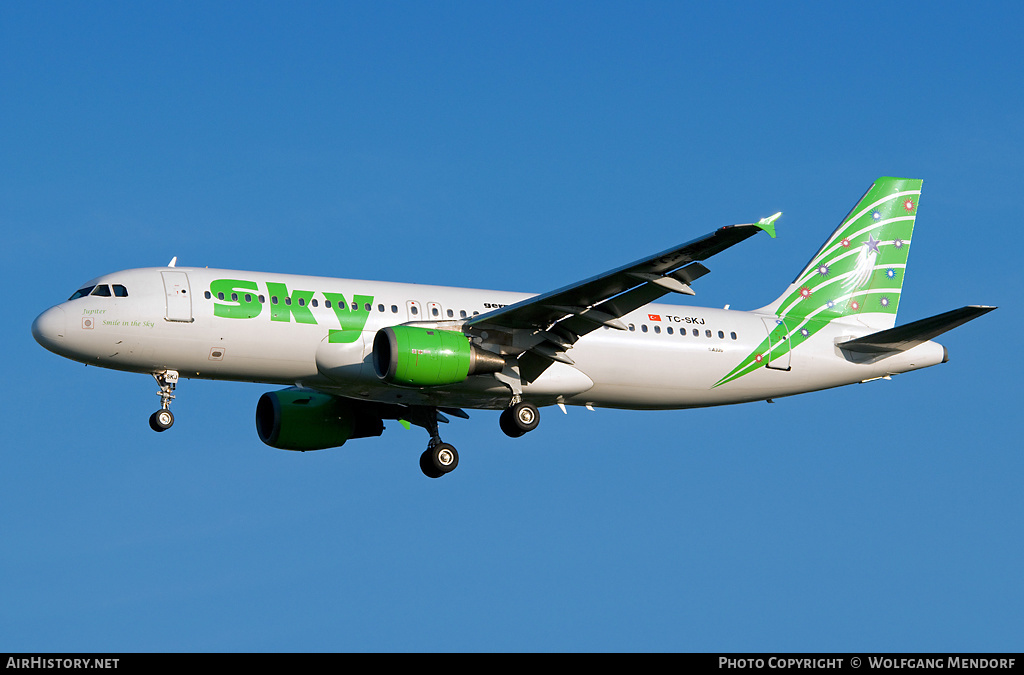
{"x":179,"y":297}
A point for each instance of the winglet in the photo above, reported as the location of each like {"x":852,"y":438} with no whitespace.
{"x":768,"y":224}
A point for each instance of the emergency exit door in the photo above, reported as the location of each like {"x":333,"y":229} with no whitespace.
{"x":778,"y":340}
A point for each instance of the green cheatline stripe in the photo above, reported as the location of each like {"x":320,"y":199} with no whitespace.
{"x":748,"y":365}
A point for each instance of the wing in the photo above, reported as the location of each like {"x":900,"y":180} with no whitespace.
{"x":547,"y":325}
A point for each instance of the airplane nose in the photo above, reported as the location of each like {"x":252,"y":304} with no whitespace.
{"x":49,"y":328}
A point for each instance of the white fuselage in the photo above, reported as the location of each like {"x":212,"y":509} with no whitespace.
{"x":671,"y":356}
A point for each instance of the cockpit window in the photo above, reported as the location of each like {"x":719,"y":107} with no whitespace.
{"x":82,"y":292}
{"x":102,"y":290}
{"x":120,"y":291}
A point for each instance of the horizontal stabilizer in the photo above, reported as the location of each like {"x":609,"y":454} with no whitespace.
{"x":902,"y":338}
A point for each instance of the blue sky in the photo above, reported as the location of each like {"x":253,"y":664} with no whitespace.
{"x":516,"y":146}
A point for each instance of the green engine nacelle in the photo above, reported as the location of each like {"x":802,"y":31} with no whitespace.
{"x":301,"y":419}
{"x":428,"y":357}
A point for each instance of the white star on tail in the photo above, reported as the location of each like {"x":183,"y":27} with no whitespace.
{"x":864,"y":266}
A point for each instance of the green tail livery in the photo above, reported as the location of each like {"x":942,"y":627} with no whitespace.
{"x":857,"y":275}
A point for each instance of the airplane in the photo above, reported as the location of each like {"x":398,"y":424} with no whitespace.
{"x":354,"y":353}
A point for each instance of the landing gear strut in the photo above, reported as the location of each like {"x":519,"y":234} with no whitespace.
{"x":162,"y":419}
{"x":519,"y":418}
{"x":439,"y":458}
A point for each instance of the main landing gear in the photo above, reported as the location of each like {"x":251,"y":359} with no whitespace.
{"x":519,"y":418}
{"x":162,"y":419}
{"x":439,"y":458}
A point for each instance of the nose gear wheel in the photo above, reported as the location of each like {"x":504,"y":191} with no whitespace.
{"x":163,"y":419}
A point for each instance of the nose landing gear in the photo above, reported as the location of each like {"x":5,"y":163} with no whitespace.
{"x":162,"y":419}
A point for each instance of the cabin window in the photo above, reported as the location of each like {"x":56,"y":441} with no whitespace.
{"x":632,"y":327}
{"x":273,"y":299}
{"x":450,"y":314}
{"x":207,"y":295}
{"x":721,"y":335}
{"x":248,"y":298}
{"x":394,"y":309}
{"x":434,"y":312}
{"x":643,"y":327}
{"x":696,"y":333}
{"x":380,"y":308}
{"x":708,"y":333}
{"x":314,"y":302}
{"x":657,"y":329}
{"x":262,"y":299}
{"x":234,"y":297}
{"x":669,"y":330}
{"x":288,"y":300}
{"x":220,"y":296}
{"x":367,"y":307}
{"x":414,"y":310}
{"x":462,"y":313}
{"x":732,"y":335}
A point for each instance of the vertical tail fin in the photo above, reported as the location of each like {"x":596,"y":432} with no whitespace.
{"x":855,"y":277}
{"x":857,"y":274}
